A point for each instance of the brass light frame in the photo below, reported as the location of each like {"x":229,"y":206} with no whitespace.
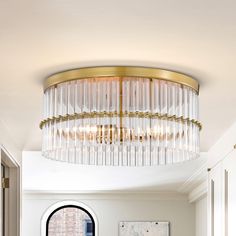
{"x":121,"y":71}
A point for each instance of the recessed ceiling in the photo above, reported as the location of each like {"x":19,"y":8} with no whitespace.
{"x":39,"y":38}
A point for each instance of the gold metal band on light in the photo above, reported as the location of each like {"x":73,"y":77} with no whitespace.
{"x":149,"y":115}
{"x":121,"y":71}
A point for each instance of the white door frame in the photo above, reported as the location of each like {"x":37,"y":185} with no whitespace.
{"x":14,"y":191}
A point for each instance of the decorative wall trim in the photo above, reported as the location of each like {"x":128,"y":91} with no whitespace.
{"x":195,"y":179}
{"x":11,"y":161}
{"x":199,"y":192}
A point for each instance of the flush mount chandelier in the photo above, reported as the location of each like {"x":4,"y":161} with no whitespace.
{"x":120,"y":116}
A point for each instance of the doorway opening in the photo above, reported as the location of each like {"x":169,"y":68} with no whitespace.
{"x":10,"y":194}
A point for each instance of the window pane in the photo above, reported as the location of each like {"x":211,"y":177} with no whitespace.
{"x":89,"y":227}
{"x":70,"y":221}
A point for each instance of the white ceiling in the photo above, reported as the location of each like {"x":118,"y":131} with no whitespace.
{"x":38,"y":38}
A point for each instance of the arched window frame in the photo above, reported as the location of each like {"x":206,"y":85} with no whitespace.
{"x":62,"y":204}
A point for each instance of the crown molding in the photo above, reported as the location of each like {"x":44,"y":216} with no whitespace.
{"x":194,"y":180}
{"x":222,"y":147}
{"x":198,"y":193}
{"x":108,"y":195}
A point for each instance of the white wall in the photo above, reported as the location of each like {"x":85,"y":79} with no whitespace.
{"x":201,"y":217}
{"x":113,"y":208}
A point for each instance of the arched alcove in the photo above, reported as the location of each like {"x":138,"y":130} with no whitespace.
{"x":67,"y":217}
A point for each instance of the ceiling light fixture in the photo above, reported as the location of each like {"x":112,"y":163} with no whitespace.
{"x":121,"y":116}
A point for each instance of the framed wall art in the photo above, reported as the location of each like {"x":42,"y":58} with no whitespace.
{"x":144,"y":228}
